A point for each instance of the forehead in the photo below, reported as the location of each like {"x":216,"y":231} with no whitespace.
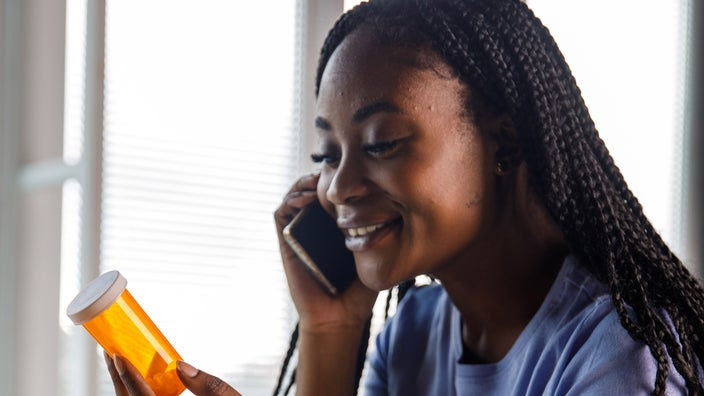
{"x":361,"y":70}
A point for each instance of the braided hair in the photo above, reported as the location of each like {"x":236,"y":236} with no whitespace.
{"x":501,"y":50}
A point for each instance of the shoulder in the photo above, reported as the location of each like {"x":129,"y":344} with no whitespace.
{"x":400,"y":349}
{"x":597,"y":354}
{"x":421,"y":300}
{"x":418,"y":312}
{"x":602,"y":357}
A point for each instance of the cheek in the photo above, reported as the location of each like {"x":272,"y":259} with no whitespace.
{"x":453,"y":195}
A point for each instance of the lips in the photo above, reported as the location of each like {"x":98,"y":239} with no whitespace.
{"x":364,"y":237}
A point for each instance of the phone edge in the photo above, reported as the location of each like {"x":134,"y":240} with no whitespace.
{"x":304,"y":257}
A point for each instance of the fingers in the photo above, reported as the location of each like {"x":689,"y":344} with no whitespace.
{"x":307,"y":182}
{"x":128,"y":382}
{"x":120,"y":389}
{"x":133,"y":383}
{"x":301,"y":194}
{"x":201,"y":383}
{"x":300,"y":199}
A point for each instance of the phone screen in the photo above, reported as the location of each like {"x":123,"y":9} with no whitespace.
{"x":320,"y":244}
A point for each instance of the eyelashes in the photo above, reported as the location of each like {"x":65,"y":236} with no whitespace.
{"x":383,"y":149}
{"x":320,"y":158}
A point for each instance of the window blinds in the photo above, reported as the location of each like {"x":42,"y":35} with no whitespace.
{"x":199,"y":148}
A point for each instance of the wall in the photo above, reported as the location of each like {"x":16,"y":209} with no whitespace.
{"x":31,"y":76}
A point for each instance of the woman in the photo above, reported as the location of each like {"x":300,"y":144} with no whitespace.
{"x":455,"y":143}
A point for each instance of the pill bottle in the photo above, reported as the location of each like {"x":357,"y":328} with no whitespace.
{"x":107,"y":310}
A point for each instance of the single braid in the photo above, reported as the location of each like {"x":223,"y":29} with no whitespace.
{"x":388,"y":304}
{"x":362,"y":352}
{"x":290,"y":382}
{"x":403,"y":288}
{"x":291,"y":348}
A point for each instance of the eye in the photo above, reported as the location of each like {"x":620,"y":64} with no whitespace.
{"x":381,"y":149}
{"x":324,"y":157}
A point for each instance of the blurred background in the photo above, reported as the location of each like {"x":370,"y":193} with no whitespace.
{"x":157,"y":137}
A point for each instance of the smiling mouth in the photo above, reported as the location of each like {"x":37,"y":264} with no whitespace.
{"x":362,"y":231}
{"x":362,"y":238}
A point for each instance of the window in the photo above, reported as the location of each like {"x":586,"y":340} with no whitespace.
{"x":200,"y":142}
{"x":199,"y":149}
{"x":201,"y":137}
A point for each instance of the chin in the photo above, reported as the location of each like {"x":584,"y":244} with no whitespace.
{"x":374,"y":278}
{"x":377,"y":286}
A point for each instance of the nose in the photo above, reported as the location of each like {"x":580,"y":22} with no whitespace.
{"x":349,"y":183}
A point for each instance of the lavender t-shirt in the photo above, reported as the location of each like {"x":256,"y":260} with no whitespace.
{"x":574,"y":345}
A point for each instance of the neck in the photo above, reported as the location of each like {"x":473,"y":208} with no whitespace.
{"x":497,"y":302}
{"x":499,"y":283}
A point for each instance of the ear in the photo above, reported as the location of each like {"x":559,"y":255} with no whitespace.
{"x":509,"y":153}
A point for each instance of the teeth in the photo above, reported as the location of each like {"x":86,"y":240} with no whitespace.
{"x":361,"y":231}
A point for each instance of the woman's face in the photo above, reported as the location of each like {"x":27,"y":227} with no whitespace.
{"x":407,"y":175}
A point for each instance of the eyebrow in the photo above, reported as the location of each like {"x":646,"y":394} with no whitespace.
{"x":361,"y":114}
{"x":322,"y":123}
{"x":371,"y":109}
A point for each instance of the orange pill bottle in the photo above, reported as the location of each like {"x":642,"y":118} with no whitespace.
{"x":114,"y":318}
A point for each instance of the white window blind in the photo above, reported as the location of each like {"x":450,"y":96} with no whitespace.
{"x":199,"y":148}
{"x":629,"y":60}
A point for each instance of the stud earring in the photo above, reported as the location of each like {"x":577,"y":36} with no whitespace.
{"x":501,"y":167}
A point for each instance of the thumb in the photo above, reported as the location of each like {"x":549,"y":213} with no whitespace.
{"x":201,"y":383}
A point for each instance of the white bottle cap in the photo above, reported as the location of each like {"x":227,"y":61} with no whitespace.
{"x":96,"y":297}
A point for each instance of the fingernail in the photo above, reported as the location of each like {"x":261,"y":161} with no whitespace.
{"x":119,"y":364}
{"x":188,"y":370}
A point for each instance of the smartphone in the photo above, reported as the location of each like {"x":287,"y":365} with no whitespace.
{"x":320,"y":245}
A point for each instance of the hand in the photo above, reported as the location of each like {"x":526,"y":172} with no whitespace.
{"x":318,"y":311}
{"x":128,"y":382}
